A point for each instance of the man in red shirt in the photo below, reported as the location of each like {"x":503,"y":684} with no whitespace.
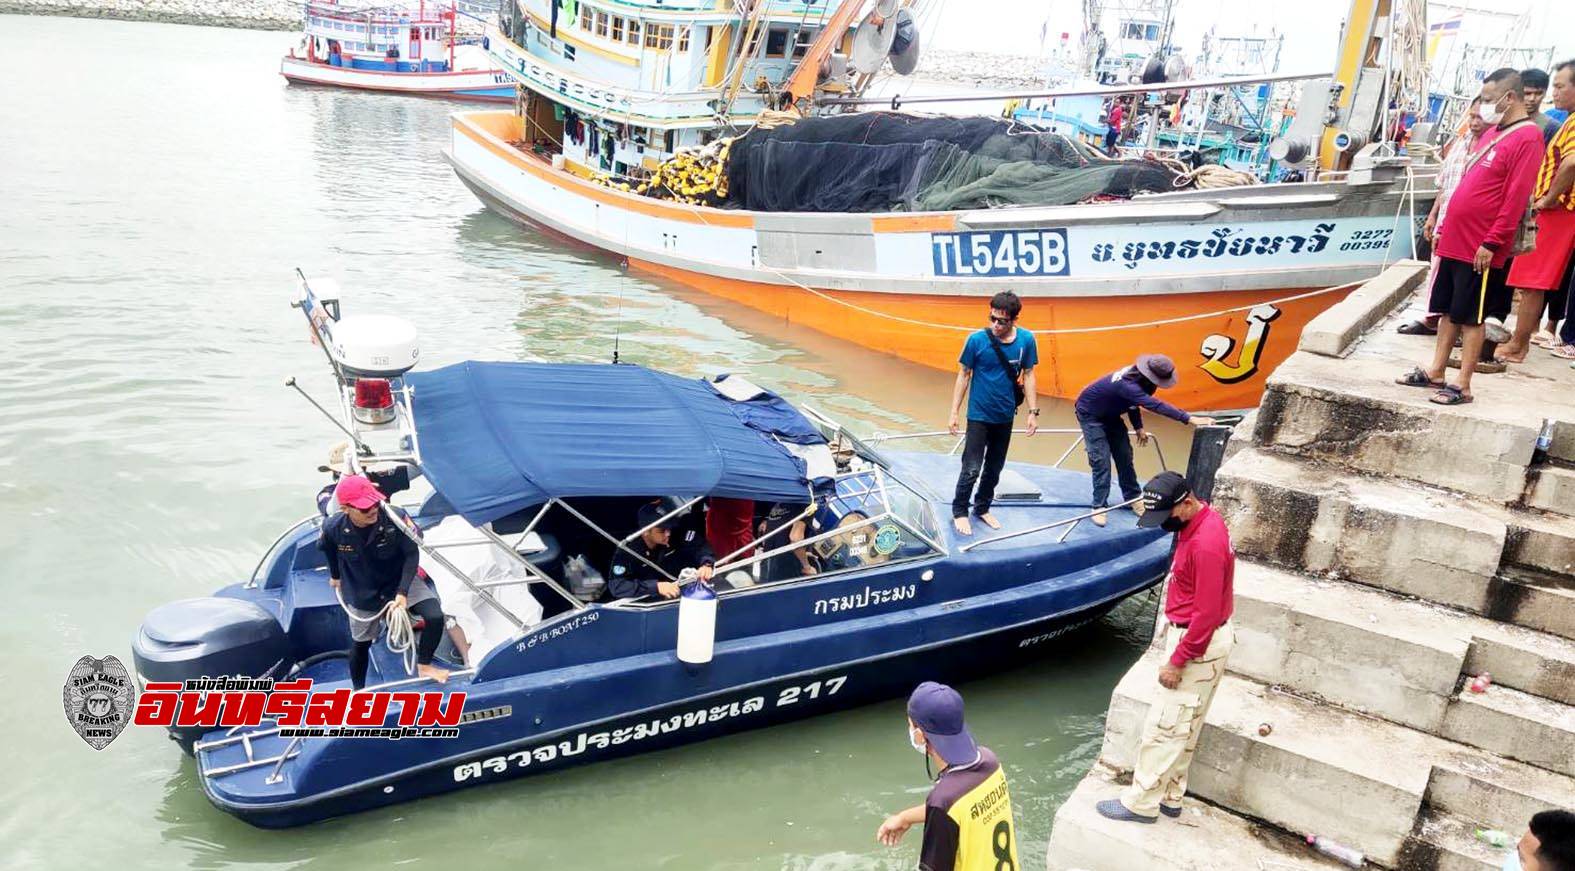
{"x":1475,"y":240}
{"x":1198,"y":638}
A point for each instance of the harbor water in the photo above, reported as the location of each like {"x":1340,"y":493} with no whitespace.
{"x":159,"y":185}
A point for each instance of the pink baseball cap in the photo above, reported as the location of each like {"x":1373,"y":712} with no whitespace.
{"x":357,"y":492}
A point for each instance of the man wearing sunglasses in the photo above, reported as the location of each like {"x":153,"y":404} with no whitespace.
{"x":996,"y":373}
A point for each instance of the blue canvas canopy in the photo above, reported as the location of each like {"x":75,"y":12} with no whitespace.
{"x":499,"y":437}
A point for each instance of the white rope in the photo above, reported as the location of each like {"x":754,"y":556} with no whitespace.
{"x":401,"y":635}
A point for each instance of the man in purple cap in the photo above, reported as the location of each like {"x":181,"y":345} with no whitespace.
{"x":1099,"y":409}
{"x":372,"y":566}
{"x":967,"y":816}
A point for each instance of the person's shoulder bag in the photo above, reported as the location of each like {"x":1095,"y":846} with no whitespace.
{"x":1525,"y":240}
{"x":1012,"y":372}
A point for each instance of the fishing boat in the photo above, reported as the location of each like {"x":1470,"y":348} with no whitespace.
{"x":396,"y":49}
{"x":535,"y":473}
{"x":622,"y":101}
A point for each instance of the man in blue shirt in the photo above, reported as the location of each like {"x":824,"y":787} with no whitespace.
{"x":1099,"y":409}
{"x":996,"y":372}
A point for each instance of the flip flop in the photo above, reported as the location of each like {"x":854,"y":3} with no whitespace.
{"x":1417,"y":378}
{"x":1451,"y":395}
{"x":1416,"y":328}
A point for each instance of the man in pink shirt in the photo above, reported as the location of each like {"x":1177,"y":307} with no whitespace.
{"x":1199,"y":601}
{"x":1475,"y":240}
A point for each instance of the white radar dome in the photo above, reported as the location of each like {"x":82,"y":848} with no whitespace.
{"x":375,"y":346}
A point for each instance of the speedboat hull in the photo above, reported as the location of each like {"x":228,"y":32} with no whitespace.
{"x":605,"y":681}
{"x":806,"y":694}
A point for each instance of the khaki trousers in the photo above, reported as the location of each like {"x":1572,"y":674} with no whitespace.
{"x":1174,"y":721}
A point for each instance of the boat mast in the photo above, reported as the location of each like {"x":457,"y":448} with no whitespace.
{"x":801,"y":84}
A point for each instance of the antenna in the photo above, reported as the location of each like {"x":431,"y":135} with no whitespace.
{"x":618,"y":318}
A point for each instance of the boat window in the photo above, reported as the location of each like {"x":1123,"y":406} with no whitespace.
{"x":617,"y":28}
{"x":776,"y":42}
{"x":585,"y":18}
{"x":659,"y":36}
{"x":683,"y":38}
{"x":802,"y":42}
{"x":634,"y":32}
{"x":601,"y":24}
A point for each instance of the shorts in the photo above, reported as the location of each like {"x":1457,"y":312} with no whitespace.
{"x":364,"y":627}
{"x":1543,"y":267}
{"x":1461,"y":292}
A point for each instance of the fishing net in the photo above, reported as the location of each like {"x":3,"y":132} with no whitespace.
{"x":887,"y":161}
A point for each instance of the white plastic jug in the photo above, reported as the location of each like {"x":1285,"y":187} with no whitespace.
{"x":696,"y":623}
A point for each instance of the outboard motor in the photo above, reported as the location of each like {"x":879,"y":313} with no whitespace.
{"x":209,"y":637}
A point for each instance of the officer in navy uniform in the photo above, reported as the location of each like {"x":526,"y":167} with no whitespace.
{"x":633,"y":578}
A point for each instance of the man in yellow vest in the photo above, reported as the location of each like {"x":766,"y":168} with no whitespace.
{"x":967,"y":816}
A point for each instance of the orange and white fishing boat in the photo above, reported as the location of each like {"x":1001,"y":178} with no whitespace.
{"x":1221,"y":279}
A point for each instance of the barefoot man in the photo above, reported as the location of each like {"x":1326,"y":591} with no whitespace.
{"x":372,"y":567}
{"x":996,"y":373}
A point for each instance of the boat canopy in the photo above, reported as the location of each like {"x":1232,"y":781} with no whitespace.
{"x":496,"y":438}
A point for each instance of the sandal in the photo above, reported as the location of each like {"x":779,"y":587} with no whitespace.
{"x":1545,"y":339}
{"x":1564,"y":352}
{"x":1417,"y":378}
{"x":1451,"y":395}
{"x":1416,"y":328}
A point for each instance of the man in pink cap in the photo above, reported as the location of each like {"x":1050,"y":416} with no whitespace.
{"x":372,"y":565}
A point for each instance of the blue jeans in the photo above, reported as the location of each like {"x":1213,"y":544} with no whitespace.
{"x":1106,"y":440}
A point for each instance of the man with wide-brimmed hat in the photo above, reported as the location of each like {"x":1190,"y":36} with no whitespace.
{"x":967,"y":816}
{"x":1099,"y":411}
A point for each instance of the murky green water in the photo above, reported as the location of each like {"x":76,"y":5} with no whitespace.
{"x":157,"y":186}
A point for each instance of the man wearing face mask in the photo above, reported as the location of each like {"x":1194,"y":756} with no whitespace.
{"x":1475,"y":240}
{"x":1198,"y":638}
{"x":1548,"y":845}
{"x":967,"y":816}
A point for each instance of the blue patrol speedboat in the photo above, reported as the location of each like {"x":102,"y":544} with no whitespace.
{"x":537,"y":472}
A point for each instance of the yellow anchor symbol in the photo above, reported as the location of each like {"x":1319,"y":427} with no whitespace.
{"x":1217,"y":346}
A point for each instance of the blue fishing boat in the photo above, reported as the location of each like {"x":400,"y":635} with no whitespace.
{"x":536,"y":473}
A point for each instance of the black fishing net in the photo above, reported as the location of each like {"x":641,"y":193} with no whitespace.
{"x":886,"y":161}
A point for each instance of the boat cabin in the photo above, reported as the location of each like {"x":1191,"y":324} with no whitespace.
{"x":381,"y":39}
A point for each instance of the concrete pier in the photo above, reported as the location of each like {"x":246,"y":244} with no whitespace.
{"x":1388,"y":549}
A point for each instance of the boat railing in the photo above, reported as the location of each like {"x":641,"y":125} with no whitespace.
{"x":291,"y":750}
{"x":1159,"y":451}
{"x":1069,"y":522}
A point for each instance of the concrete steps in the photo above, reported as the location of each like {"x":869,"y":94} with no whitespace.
{"x":1396,"y":658}
{"x":1324,"y":408}
{"x":1443,"y":842}
{"x":1552,"y":489}
{"x":1413,"y":540}
{"x":1515,"y":725}
{"x":1536,"y":600}
{"x":1203,"y":838}
{"x":1332,"y":771}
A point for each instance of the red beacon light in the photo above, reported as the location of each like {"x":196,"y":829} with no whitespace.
{"x":374,"y":401}
{"x":373,"y":350}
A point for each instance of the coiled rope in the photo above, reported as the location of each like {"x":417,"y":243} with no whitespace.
{"x":401,"y":634}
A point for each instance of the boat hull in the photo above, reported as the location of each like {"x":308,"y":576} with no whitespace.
{"x":484,"y":86}
{"x":1222,"y":283}
{"x":765,"y":704}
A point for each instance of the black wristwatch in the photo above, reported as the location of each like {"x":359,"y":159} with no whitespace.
{"x":1034,"y":412}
